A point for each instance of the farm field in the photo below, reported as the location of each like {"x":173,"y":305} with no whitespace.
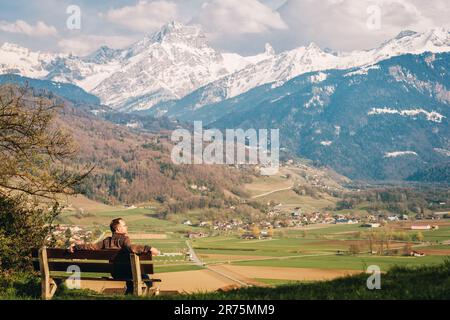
{"x":290,"y":274}
{"x":263,"y":185}
{"x":141,"y":221}
{"x":360,"y":262}
{"x":298,"y":254}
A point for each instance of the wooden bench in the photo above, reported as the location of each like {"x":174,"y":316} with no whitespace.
{"x":47,"y":260}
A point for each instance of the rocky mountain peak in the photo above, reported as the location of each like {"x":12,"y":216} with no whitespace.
{"x":176,"y":32}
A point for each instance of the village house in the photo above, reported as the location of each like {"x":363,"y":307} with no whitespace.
{"x":371,"y":225}
{"x":196,"y":235}
{"x":248,"y":236}
{"x":346,"y":221}
{"x":417,"y":254}
{"x":265,"y":235}
{"x":204,"y":224}
{"x":424,"y":227}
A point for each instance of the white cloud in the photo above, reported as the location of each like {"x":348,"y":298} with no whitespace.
{"x":238,"y":17}
{"x":145,"y":16}
{"x":40,"y":29}
{"x":242,"y":26}
{"x":86,"y":44}
{"x":342,"y":24}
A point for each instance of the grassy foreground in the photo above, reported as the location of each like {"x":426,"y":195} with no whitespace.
{"x":400,"y":283}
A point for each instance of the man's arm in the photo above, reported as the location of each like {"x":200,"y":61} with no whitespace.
{"x":89,"y":246}
{"x":139,"y":249}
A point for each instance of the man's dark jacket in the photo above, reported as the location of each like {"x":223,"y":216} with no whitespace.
{"x":122,"y":242}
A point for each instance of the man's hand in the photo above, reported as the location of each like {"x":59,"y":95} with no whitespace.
{"x":154,"y":251}
{"x":71,"y":249}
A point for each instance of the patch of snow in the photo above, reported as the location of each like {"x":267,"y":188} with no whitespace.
{"x":133,"y":125}
{"x":277,"y":84}
{"x":444,"y":152}
{"x":413,"y":113}
{"x":396,"y":154}
{"x":234,"y":62}
{"x":337,"y":130}
{"x":326,"y":143}
{"x":319,"y":77}
{"x":320,"y":96}
{"x":279,"y":98}
{"x":362,"y":71}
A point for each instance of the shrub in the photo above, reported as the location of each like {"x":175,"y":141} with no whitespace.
{"x":354,"y":249}
{"x":19,"y":285}
{"x":23,"y":225}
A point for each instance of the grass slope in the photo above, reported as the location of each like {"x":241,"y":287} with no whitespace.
{"x":400,"y":283}
{"x":425,"y":282}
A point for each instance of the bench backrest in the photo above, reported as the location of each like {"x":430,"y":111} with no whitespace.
{"x":99,"y":261}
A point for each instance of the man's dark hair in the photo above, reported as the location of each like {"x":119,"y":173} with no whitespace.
{"x":114,"y":224}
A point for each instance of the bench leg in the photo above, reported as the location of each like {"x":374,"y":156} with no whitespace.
{"x":138,"y":284}
{"x":48,"y":289}
{"x":48,"y":285}
{"x":144,"y":289}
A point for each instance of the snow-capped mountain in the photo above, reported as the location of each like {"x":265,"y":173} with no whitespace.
{"x":278,"y":69}
{"x":167,"y":65}
{"x":87,"y":72}
{"x":18,"y":60}
{"x":177,"y":61}
{"x":382,"y":122}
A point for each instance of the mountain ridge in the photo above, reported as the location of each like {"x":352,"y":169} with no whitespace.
{"x":381,"y":122}
{"x":177,"y":60}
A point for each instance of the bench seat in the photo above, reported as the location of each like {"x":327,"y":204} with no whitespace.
{"x":49,"y":260}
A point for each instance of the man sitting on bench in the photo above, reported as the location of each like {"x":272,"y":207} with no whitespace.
{"x":120,"y":241}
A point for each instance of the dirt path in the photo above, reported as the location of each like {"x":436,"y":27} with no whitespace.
{"x":225,"y":258}
{"x":219,"y":273}
{"x":193,"y":281}
{"x":280,"y":273}
{"x":193,"y":256}
{"x":235,"y":276}
{"x":181,"y":282}
{"x":245,"y":259}
{"x":270,"y":192}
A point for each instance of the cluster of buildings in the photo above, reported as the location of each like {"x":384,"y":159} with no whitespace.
{"x":279,"y":217}
{"x":297,"y":218}
{"x":230,"y":225}
{"x":261,"y":235}
{"x":276,"y":219}
{"x":67,"y":234}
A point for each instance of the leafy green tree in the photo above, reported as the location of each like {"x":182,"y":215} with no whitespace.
{"x":256,"y":232}
{"x":354,"y":249}
{"x":419,"y":236}
{"x":34,"y":171}
{"x":270,"y":232}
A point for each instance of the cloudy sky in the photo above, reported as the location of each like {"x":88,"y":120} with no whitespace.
{"x":242,"y":26}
